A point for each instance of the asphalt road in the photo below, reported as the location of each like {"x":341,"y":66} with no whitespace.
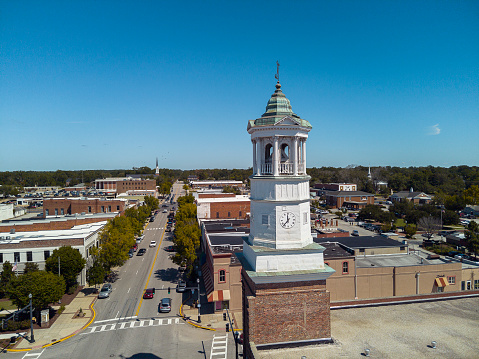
{"x":127,"y":326}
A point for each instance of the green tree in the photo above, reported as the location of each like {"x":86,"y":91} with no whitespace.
{"x":116,"y":239}
{"x":472,"y":237}
{"x":410,"y":230}
{"x":471,"y":195}
{"x":152,"y":202}
{"x":5,"y":277}
{"x":30,"y":267}
{"x":45,"y":288}
{"x":71,"y":264}
{"x":96,"y":273}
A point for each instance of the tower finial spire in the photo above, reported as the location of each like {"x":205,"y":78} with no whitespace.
{"x":277,"y":71}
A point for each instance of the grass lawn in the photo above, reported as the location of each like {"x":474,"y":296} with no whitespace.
{"x":6,"y":304}
{"x":400,"y":222}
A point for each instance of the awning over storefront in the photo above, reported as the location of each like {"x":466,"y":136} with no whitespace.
{"x":441,"y":282}
{"x":219,"y":295}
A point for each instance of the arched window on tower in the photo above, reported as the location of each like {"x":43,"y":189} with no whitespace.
{"x":268,"y":153}
{"x":284,"y":152}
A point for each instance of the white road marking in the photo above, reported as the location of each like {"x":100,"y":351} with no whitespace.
{"x":36,"y":355}
{"x":109,"y":320}
{"x":137,"y":272}
{"x":219,"y":347}
{"x":128,"y":290}
{"x":132,"y":325}
{"x":117,"y":315}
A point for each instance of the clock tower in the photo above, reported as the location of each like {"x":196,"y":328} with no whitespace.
{"x":285,"y":300}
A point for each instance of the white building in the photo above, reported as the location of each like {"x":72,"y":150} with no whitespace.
{"x":37,"y":246}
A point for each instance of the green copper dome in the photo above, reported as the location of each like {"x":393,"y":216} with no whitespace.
{"x":278,"y":107}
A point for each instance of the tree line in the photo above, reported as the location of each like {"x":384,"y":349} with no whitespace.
{"x":450,"y":181}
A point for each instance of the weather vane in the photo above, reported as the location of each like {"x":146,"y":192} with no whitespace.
{"x":277,"y":71}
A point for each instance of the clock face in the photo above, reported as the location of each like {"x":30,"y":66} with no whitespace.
{"x":287,"y":220}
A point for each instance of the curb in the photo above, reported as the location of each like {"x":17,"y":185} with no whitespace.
{"x":62,"y":339}
{"x":190,"y":322}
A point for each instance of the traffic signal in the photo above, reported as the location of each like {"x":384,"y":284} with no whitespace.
{"x":169,"y":290}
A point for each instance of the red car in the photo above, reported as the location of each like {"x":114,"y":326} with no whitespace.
{"x":149,"y":293}
{"x":135,"y":247}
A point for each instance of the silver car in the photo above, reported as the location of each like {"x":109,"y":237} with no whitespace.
{"x":105,"y":291}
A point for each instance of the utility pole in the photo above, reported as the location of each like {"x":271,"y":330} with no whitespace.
{"x":199,"y":304}
{"x":32,"y":337}
{"x":58,"y":265}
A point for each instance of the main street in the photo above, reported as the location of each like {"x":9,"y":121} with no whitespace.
{"x":127,"y":326}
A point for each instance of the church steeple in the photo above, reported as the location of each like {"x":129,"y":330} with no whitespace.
{"x":157,"y":172}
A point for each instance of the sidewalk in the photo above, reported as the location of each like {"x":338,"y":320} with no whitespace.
{"x":66,"y":325}
{"x":212,"y":321}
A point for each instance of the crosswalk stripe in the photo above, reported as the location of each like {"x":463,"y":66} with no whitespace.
{"x":131,"y":325}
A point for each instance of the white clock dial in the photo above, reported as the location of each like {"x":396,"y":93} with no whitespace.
{"x":287,"y":220}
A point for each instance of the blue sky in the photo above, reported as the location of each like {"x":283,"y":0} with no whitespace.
{"x":115,"y":84}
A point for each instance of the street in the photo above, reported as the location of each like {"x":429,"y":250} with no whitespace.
{"x":128,"y":326}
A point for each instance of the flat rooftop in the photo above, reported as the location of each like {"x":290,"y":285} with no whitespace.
{"x":363,"y":241}
{"x":396,"y":260}
{"x":36,"y":220}
{"x":399,"y":331}
{"x":80,"y":231}
{"x":334,"y":250}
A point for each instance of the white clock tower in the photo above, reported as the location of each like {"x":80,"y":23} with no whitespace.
{"x":280,"y":231}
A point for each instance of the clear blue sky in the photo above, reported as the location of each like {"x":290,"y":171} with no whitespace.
{"x":115,"y":84}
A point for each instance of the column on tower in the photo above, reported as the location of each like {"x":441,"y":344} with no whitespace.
{"x":255,"y":168}
{"x":304,"y":156}
{"x":259,"y":156}
{"x":275,"y":158}
{"x":295,"y":156}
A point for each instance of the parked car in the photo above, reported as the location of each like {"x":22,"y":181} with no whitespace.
{"x":149,"y":293}
{"x":130,"y":253}
{"x":165,"y":305}
{"x":153,"y":244}
{"x":170,"y":248}
{"x":141,"y":252}
{"x":355,"y":233}
{"x":165,"y":211}
{"x":105,"y":291}
{"x":181,"y":287}
{"x":135,"y":247}
{"x":152,"y":219}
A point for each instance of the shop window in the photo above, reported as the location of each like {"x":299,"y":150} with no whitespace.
{"x":451,"y":280}
{"x":29,"y":256}
{"x":102,"y":209}
{"x":1,"y":257}
{"x":89,"y":209}
{"x":463,"y":285}
{"x":109,"y":208}
{"x":62,"y":211}
{"x":46,"y":255}
{"x":16,"y":257}
{"x":56,"y":211}
{"x":47,"y":212}
{"x":222,"y":278}
{"x":440,"y":289}
{"x":345,"y":267}
{"x":476,"y":283}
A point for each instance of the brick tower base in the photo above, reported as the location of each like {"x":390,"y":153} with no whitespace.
{"x":284,"y":311}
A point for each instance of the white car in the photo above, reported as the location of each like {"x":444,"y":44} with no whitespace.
{"x":153,"y":244}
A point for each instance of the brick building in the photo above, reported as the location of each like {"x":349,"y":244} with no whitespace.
{"x":216,"y":184}
{"x":222,"y":206}
{"x":349,"y":199}
{"x":411,"y":196}
{"x":64,"y":206}
{"x":120,"y":185}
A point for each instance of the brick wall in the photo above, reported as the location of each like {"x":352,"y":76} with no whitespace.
{"x":229,"y":209}
{"x":285,"y":312}
{"x":215,"y":195}
{"x":123,"y":186}
{"x":72,"y":206}
{"x":48,"y":226}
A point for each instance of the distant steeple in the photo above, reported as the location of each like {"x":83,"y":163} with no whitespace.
{"x":157,"y":172}
{"x":370,"y":177}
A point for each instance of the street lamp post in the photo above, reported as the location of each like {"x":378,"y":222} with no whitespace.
{"x":199,"y":304}
{"x":32,"y":337}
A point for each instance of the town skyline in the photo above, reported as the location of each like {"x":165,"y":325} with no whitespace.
{"x":102,"y":87}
